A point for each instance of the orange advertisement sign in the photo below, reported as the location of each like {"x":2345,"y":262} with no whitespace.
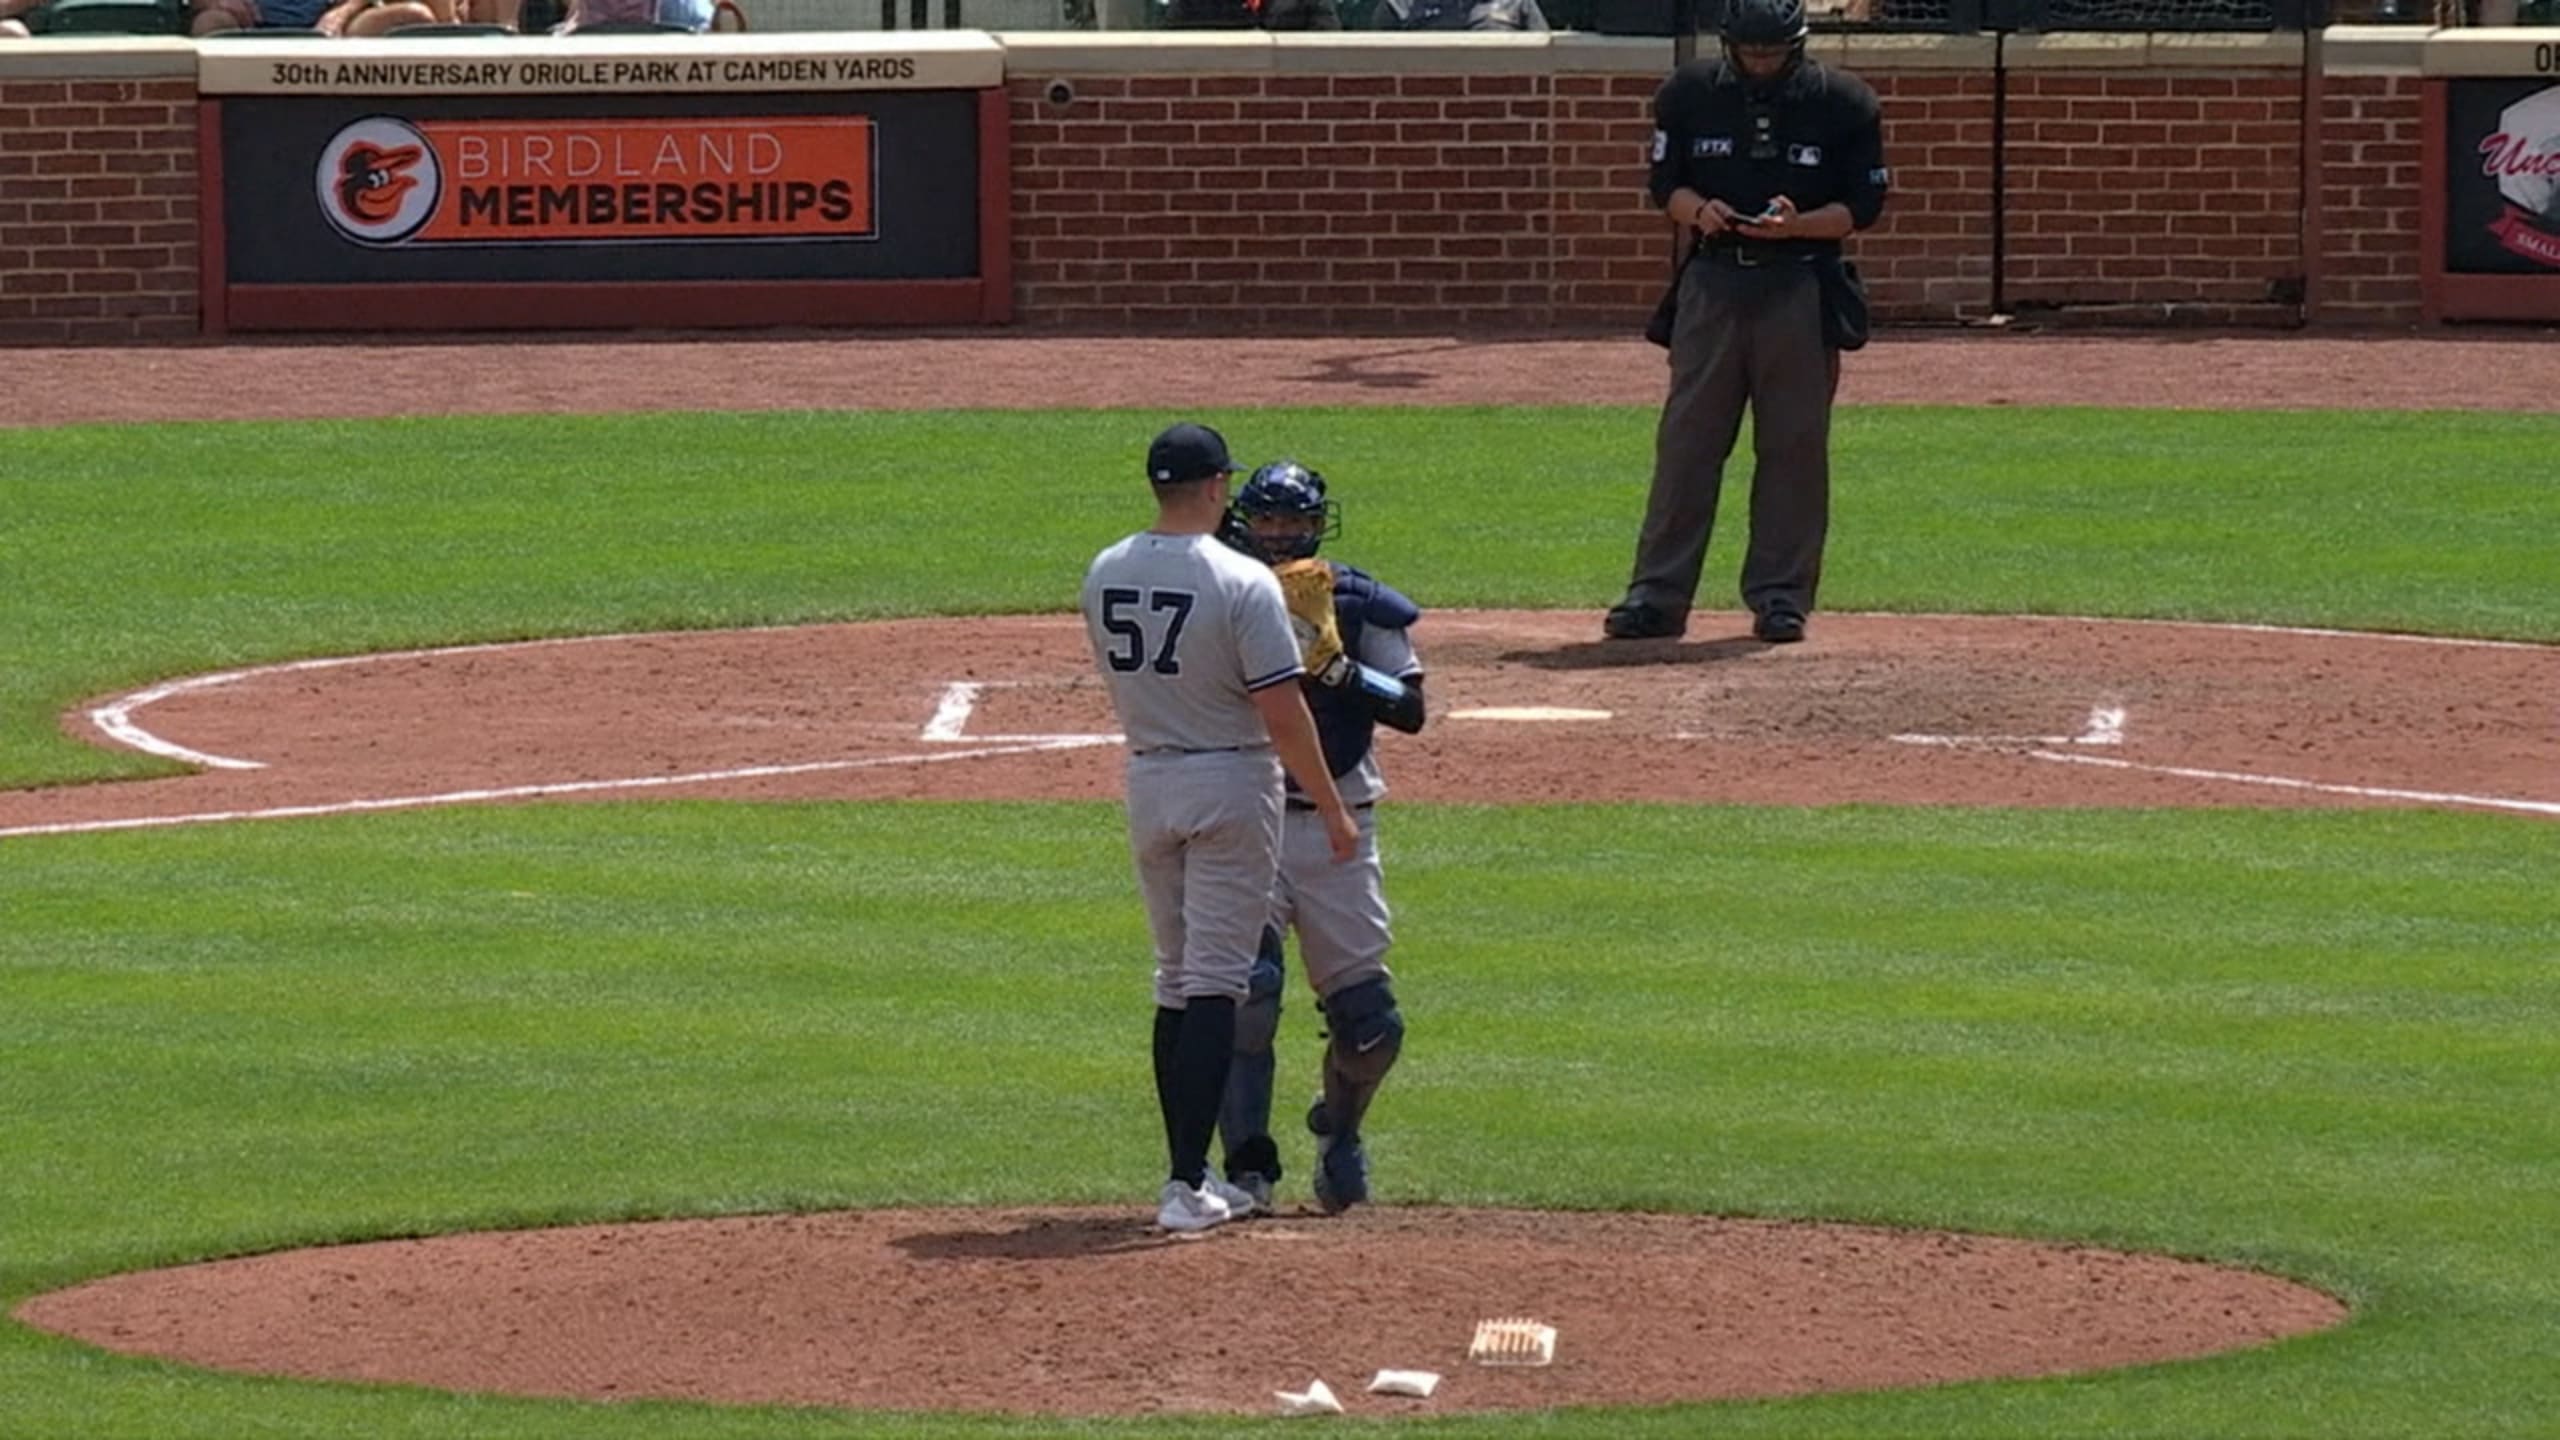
{"x":566,"y":180}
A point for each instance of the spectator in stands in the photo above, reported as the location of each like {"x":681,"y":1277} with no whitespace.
{"x":1253,"y":15}
{"x":329,"y":17}
{"x":694,"y":15}
{"x":1493,"y":15}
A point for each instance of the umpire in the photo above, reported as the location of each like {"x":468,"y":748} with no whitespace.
{"x":1766,"y":159}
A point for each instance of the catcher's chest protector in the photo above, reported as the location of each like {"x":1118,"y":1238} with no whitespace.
{"x":1344,"y":722}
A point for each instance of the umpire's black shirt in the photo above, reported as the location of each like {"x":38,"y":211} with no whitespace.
{"x":1814,"y":137}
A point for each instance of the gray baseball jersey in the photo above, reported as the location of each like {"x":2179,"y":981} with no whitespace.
{"x":1184,"y":631}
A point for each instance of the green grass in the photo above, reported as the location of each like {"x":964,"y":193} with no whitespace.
{"x":2292,"y":1040}
{"x":2318,"y":1042}
{"x":138,"y":552}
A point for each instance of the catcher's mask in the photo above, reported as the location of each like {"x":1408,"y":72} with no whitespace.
{"x":1763,"y":26}
{"x":1289,"y":498}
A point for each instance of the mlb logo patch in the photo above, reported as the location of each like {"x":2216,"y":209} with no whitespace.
{"x":1879,"y":176}
{"x":1712,"y":145}
{"x":1804,"y":154}
{"x":1661,"y":146}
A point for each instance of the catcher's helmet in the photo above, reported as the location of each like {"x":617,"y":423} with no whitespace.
{"x":1282,"y":488}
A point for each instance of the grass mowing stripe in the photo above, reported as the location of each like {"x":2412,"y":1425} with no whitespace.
{"x":1988,"y":1021}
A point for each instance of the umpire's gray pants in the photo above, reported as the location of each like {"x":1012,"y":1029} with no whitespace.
{"x":1744,"y":336}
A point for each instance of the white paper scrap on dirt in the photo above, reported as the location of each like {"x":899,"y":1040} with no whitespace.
{"x":1417,"y":1383}
{"x":1316,"y":1399}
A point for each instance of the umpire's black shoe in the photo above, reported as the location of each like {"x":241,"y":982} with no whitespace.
{"x":1638,"y":621}
{"x":1777,"y":627}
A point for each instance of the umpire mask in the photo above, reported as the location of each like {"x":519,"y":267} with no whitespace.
{"x":1757,"y":30}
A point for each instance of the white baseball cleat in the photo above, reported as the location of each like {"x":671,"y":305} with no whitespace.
{"x":1240,"y":1202}
{"x":1185,"y":1210}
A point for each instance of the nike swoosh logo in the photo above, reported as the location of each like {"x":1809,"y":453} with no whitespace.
{"x":1373,"y":1043}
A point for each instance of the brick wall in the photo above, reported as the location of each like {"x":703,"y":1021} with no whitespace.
{"x":97,"y":210}
{"x":1611,"y":257}
{"x":1297,"y":202}
{"x":1336,"y":202}
{"x":1931,"y":258}
{"x":2155,"y":197}
{"x":2368,"y":201}
{"x":1309,"y":202}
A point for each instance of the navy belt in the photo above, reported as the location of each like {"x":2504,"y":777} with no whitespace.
{"x":1297,"y":804}
{"x":1201,"y":750}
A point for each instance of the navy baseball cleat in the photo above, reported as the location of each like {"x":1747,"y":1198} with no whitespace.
{"x":1342,"y":1165}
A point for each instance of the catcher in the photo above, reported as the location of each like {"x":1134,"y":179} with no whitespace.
{"x":1361,"y":672}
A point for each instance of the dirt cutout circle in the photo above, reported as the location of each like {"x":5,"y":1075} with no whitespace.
{"x":1093,"y":1313}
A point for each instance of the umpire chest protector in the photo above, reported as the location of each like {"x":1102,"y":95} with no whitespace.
{"x":1344,"y":722}
{"x":1813,"y":137}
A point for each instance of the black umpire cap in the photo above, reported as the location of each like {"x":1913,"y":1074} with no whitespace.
{"x":1187,"y":452}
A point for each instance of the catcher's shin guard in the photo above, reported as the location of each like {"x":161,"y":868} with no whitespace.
{"x":1366,"y":1033}
{"x":1244,"y":1116}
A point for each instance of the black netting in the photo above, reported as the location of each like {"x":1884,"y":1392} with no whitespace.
{"x":1896,"y":15}
{"x":2153,"y":15}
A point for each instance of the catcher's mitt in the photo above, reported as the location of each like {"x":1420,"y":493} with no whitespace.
{"x":1308,"y":584}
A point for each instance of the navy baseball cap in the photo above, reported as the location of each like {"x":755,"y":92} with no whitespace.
{"x":1187,"y":452}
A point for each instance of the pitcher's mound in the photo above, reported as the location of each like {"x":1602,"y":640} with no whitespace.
{"x":1093,"y":1312}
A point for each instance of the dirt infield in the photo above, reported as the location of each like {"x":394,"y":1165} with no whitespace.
{"x":2469,"y":370}
{"x":1059,"y":1312}
{"x":1532,"y":707}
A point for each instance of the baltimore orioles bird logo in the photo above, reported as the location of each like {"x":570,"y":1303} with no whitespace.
{"x":371,"y":180}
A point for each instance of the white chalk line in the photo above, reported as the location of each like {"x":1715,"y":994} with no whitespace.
{"x":950,"y":722}
{"x":563,"y":787}
{"x":115,"y":718}
{"x":2105,"y":727}
{"x":2286,"y":782}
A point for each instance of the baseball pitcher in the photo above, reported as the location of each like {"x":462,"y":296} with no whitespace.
{"x":1195,"y":646}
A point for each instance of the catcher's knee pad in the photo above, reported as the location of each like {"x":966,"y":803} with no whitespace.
{"x":1366,"y":1031}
